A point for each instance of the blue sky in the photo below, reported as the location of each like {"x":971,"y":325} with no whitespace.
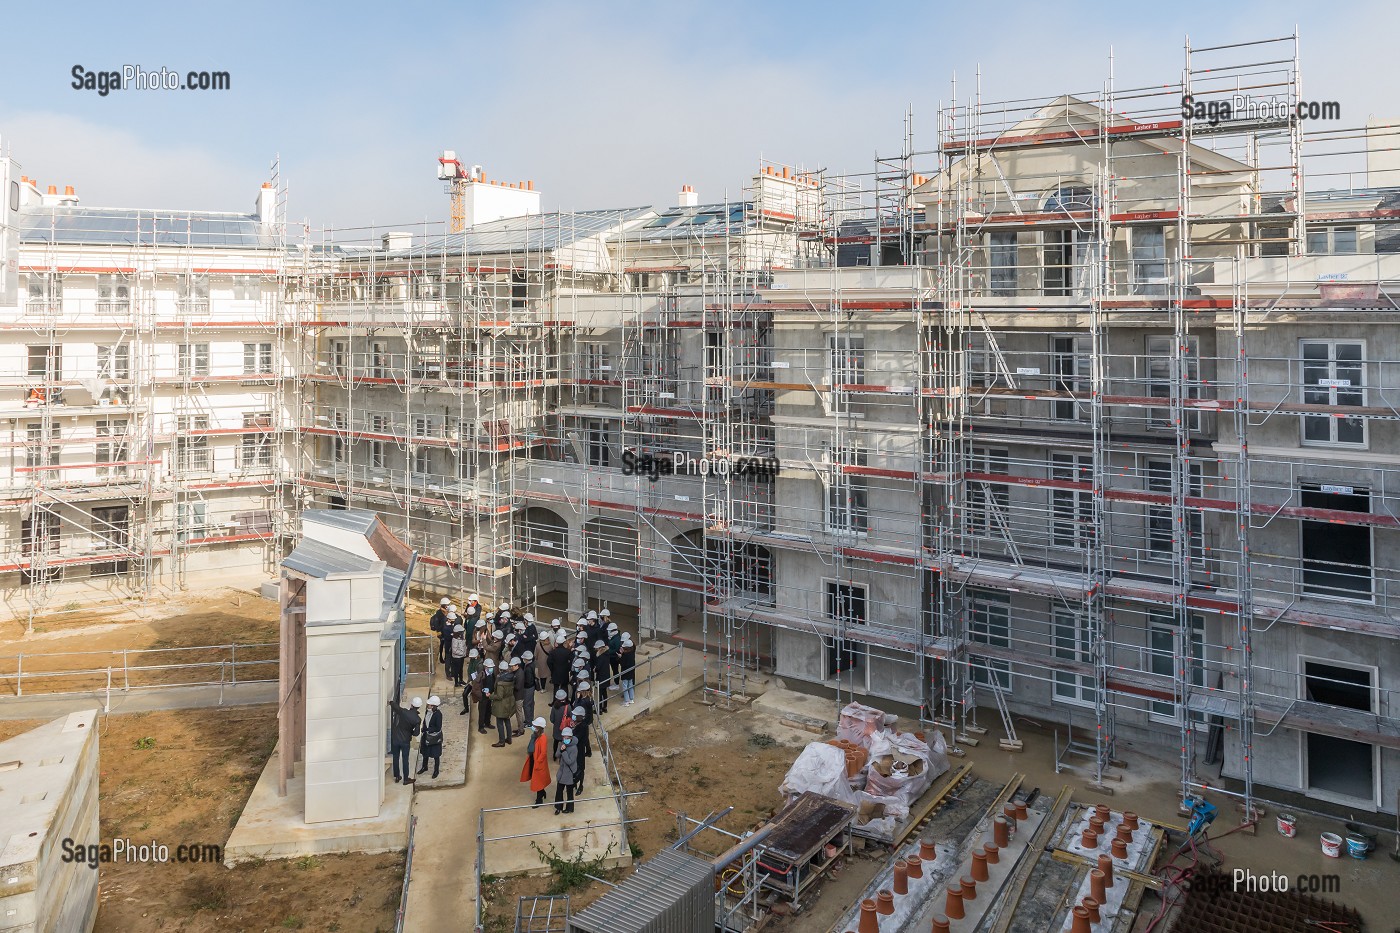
{"x":601,"y":104}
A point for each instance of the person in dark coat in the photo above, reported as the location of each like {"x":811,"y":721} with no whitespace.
{"x":602,"y":667}
{"x":445,"y":636}
{"x":435,"y":625}
{"x":503,"y":707}
{"x":614,"y":637}
{"x":473,"y":612}
{"x":483,"y":697}
{"x":525,"y":695}
{"x":560,"y":659}
{"x":430,"y":742}
{"x":458,"y":656}
{"x":584,"y":701}
{"x":471,"y":679}
{"x":558,"y":712}
{"x":568,"y":773}
{"x":403,"y":727}
{"x":580,"y":726}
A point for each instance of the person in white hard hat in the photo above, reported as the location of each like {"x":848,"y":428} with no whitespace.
{"x":458,"y":656}
{"x":614,"y":637}
{"x":445,"y":637}
{"x":430,"y":742}
{"x":627,"y":669}
{"x":404,"y":725}
{"x":470,"y":678}
{"x":602,"y":667}
{"x":503,"y":707}
{"x":502,"y":612}
{"x":473,"y":613}
{"x":580,"y":717}
{"x":568,"y":771}
{"x":536,"y":769}
{"x":524,"y":674}
{"x":583,"y":700}
{"x":482,"y":695}
{"x":559,"y":660}
{"x":558,"y":712}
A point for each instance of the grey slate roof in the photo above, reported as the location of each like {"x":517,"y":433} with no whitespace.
{"x":118,"y":226}
{"x":532,"y":232}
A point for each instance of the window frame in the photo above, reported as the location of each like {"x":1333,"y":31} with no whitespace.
{"x":1333,"y":394}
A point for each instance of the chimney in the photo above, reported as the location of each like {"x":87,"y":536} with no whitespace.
{"x":267,"y":204}
{"x":69,"y":198}
{"x":51,"y":196}
{"x":1382,"y":153}
{"x":687,"y":197}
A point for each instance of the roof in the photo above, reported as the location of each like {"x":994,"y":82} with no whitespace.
{"x":532,"y":232}
{"x":702,"y":220}
{"x":669,"y":891}
{"x":119,"y":226}
{"x":320,"y":559}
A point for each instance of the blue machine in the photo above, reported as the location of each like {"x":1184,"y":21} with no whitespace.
{"x":1202,"y":815}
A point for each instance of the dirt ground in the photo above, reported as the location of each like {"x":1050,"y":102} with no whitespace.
{"x":183,"y":777}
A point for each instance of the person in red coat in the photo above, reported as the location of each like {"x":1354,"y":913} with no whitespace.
{"x":536,"y":769}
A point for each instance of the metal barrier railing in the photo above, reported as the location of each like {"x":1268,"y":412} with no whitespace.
{"x":57,"y":674}
{"x":407,"y":874}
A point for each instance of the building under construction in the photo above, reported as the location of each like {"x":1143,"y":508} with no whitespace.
{"x":1084,"y":413}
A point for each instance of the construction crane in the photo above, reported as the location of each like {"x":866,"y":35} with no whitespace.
{"x":457,"y":177}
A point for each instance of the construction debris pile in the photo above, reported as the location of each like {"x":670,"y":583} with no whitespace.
{"x":870,"y":764}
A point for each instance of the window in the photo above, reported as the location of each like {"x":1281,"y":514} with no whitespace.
{"x":111,"y":526}
{"x":981,"y":368}
{"x":191,"y":450}
{"x":1160,"y":368}
{"x":378,"y":360}
{"x":1072,"y":522}
{"x":1164,"y":652}
{"x":378,"y":450}
{"x":257,"y":359}
{"x":845,"y":606}
{"x":1070,"y":642}
{"x":246,"y":288}
{"x":847,"y":495}
{"x":1149,"y":260}
{"x":423,"y":460}
{"x":257,"y":447}
{"x":1072,"y":375}
{"x":45,"y":292}
{"x":41,"y":449}
{"x":1002,"y":261}
{"x":1159,"y":517}
{"x":192,"y":293}
{"x":1064,"y":257}
{"x":193,"y":359}
{"x":340,"y":447}
{"x":599,"y":455}
{"x":987,"y":501}
{"x":1069,"y":198}
{"x":340,"y":357}
{"x":111,"y":447}
{"x":989,"y":623}
{"x":114,"y":362}
{"x":466,"y":466}
{"x":595,"y":361}
{"x":846,"y":359}
{"x":113,"y":294}
{"x":1331,"y":240}
{"x":46,"y":361}
{"x":1335,"y":766}
{"x":519,"y":290}
{"x":1336,"y":556}
{"x":190,"y":520}
{"x":1334,"y":374}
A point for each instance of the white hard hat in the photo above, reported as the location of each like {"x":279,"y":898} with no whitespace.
{"x":561,"y":639}
{"x":528,"y":656}
{"x":451,"y":614}
{"x":519,"y":626}
{"x":578,"y":662}
{"x":529,"y":617}
{"x":612,"y":626}
{"x":481,"y":623}
{"x":555,"y":623}
{"x":577,"y":711}
{"x":473,"y":653}
{"x":451,"y":609}
{"x":599,"y":644}
{"x":458,"y":628}
{"x":539,"y":722}
{"x":592,"y":614}
{"x":444,"y":601}
{"x":473,"y":598}
{"x":626,"y":638}
{"x":514,"y":662}
{"x":560,"y":694}
{"x":434,"y":700}
{"x":498,"y":634}
{"x":417,"y":703}
{"x":490,"y":663}
{"x":567,"y":732}
{"x":584,"y":685}
{"x":505,"y":606}
{"x":605,"y":613}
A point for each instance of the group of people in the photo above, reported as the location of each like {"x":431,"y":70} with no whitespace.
{"x":500,"y":662}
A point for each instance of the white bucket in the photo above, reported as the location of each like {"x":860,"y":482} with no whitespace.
{"x":1287,"y":825}
{"x":1331,"y":845}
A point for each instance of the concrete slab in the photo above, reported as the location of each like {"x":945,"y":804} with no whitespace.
{"x":48,"y":805}
{"x":273,"y":827}
{"x":145,"y":700}
{"x":798,"y":706}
